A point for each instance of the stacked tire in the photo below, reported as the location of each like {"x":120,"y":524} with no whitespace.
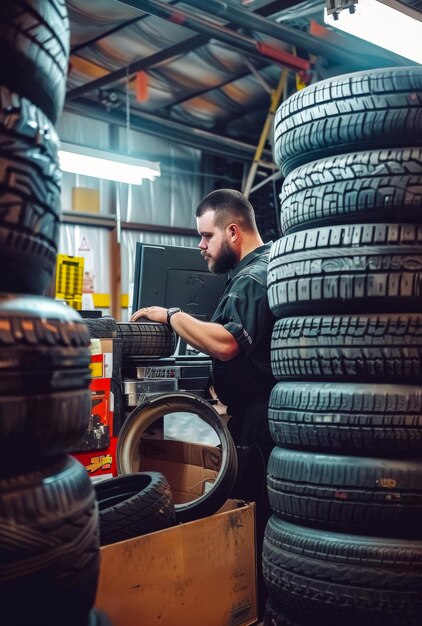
{"x":49,"y":553}
{"x":344,"y":544}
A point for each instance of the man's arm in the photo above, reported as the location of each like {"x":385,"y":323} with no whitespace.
{"x":213,"y":339}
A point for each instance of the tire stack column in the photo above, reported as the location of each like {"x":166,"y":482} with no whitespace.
{"x":49,"y":553}
{"x":344,"y":544}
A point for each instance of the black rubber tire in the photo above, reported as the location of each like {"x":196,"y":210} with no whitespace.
{"x":146,"y":339}
{"x":350,"y":494}
{"x":332,"y":578}
{"x":354,"y":348}
{"x":273,"y":617}
{"x":101,"y":327}
{"x":44,"y":347}
{"x":348,"y":268}
{"x":147,"y":413}
{"x":377,"y":108}
{"x":133,"y":505}
{"x":30,"y":183}
{"x":41,"y":425}
{"x":49,"y":550}
{"x":373,"y":186}
{"x":34,"y":38}
{"x":347,"y":418}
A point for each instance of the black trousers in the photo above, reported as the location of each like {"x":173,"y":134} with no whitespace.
{"x":254,"y":444}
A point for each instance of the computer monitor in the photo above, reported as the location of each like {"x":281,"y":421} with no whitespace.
{"x":175,"y":276}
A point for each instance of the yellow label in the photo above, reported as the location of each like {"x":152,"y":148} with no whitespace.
{"x":96,"y":369}
{"x":388,"y":483}
{"x":100,"y":462}
{"x":300,"y":84}
{"x":69,"y":279}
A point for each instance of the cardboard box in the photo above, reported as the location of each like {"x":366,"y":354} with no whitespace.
{"x":201,"y":573}
{"x":189,"y":468}
{"x":101,"y":358}
{"x":85,"y":200}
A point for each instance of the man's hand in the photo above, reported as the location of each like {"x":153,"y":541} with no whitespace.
{"x":153,"y":313}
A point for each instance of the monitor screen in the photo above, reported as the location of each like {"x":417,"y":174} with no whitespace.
{"x":175,"y":276}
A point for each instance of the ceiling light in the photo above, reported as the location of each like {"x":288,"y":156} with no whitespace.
{"x":106,"y":165}
{"x":386,"y":23}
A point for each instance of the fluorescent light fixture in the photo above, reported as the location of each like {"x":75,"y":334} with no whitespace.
{"x":388,"y":24}
{"x":106,"y":165}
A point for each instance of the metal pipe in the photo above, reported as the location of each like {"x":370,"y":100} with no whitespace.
{"x":221,"y":33}
{"x":173,"y":131}
{"x":70,"y":217}
{"x":287,"y":34}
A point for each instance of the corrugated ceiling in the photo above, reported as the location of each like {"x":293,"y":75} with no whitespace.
{"x":191,"y":81}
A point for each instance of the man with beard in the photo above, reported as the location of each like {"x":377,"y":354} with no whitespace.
{"x":238,"y":336}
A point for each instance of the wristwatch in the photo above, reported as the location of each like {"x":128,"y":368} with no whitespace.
{"x":171,"y":311}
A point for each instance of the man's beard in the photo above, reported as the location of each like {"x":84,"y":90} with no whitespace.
{"x":225,"y":261}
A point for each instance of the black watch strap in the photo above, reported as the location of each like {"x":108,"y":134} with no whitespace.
{"x":171,"y":312}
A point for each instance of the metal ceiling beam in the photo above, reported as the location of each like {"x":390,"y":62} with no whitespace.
{"x":200,"y":92}
{"x":216,"y":31}
{"x":113,"y":30}
{"x":275,"y":7}
{"x":173,"y":131}
{"x":293,"y":36}
{"x":190,"y":44}
{"x":105,"y":34}
{"x":143,"y":64}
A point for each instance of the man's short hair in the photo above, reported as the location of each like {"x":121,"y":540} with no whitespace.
{"x":229,"y":205}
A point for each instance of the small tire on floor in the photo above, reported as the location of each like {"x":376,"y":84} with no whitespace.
{"x":133,"y":505}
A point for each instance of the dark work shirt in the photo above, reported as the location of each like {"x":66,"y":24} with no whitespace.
{"x":245,"y":313}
